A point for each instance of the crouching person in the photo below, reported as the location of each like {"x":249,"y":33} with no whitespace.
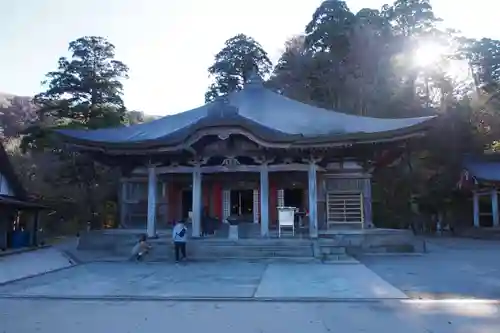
{"x":140,"y":249}
{"x":179,"y":236}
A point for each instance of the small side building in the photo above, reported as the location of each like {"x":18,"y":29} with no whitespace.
{"x":14,"y":201}
{"x":482,"y":177}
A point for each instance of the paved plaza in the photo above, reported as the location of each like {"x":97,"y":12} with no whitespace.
{"x":453,"y":268}
{"x":18,"y":266}
{"x":453,"y":288}
{"x":55,"y":316}
{"x":197,"y":280}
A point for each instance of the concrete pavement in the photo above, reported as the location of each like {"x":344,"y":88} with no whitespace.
{"x":225,"y":279}
{"x":371,"y":296}
{"x":243,"y":317}
{"x":453,"y":268}
{"x":17,"y":266}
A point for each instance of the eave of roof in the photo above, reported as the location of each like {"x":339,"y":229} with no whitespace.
{"x":483,"y":170}
{"x":20,"y":203}
{"x":270,"y":117}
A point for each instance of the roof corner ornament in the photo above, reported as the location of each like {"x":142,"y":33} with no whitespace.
{"x":221,"y":108}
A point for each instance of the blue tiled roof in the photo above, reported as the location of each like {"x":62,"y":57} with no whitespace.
{"x":261,"y":107}
{"x":484,"y":170}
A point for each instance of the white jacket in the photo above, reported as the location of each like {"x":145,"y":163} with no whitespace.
{"x":177,"y":230}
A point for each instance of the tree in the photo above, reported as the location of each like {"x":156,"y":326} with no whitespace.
{"x":370,"y":77}
{"x":328,"y":30}
{"x":15,"y":113}
{"x":411,"y":17}
{"x":292,"y":75}
{"x":84,"y":92}
{"x":483,"y":57}
{"x":328,"y":42}
{"x":233,"y":65}
{"x":364,"y":64}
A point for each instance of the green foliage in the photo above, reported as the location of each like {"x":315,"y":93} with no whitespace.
{"x":411,"y":17}
{"x":359,"y":63}
{"x":84,"y":92}
{"x":233,"y":65}
{"x":365,"y":63}
{"x":329,"y":29}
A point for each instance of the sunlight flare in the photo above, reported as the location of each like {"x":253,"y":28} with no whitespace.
{"x":429,"y":54}
{"x":432,"y":55}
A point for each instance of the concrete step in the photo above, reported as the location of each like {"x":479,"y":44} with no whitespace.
{"x":332,"y":249}
{"x":251,"y":241}
{"x":335,"y":259}
{"x":208,"y":249}
{"x":265,"y":253}
{"x":340,"y":259}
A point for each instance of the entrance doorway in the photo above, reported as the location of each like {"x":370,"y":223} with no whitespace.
{"x":242,"y":204}
{"x":294,"y":198}
{"x":187,"y":203}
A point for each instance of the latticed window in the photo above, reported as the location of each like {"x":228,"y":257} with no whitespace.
{"x":344,"y":207}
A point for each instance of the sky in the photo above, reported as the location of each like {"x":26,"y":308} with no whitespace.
{"x":169,"y":44}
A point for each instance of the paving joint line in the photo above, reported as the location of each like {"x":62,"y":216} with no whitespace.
{"x":37,"y":275}
{"x":136,"y":298}
{"x":260,"y":280}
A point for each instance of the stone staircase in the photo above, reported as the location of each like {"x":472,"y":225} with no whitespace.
{"x":480,"y":233}
{"x":208,"y":249}
{"x":331,"y":252}
{"x":244,"y":249}
{"x":330,"y":247}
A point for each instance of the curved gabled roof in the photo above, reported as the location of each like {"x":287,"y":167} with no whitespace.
{"x":271,"y":116}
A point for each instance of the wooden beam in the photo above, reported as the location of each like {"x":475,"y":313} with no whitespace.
{"x":223,"y":169}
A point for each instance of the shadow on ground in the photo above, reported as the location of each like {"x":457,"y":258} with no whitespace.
{"x":453,"y":268}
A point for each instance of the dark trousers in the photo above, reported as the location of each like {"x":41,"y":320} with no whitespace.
{"x":180,"y":246}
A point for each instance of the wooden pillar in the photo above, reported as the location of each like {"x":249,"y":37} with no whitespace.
{"x":367,"y":203}
{"x":172,"y":203}
{"x":197,"y":202}
{"x":35,"y":227}
{"x":152,"y":192}
{"x":494,"y":206}
{"x":313,"y":200}
{"x":164,"y":205}
{"x":475,"y":198}
{"x":273,"y":202}
{"x":264,"y":201}
{"x":123,"y":203}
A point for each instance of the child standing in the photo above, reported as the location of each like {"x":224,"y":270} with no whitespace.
{"x":179,"y":236}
